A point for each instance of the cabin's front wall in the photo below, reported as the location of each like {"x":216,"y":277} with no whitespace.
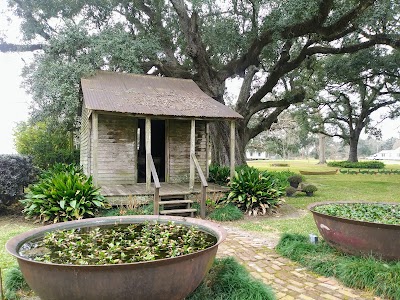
{"x":116,"y":149}
{"x":178,"y":142}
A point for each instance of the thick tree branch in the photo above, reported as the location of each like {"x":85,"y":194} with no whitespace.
{"x":27,"y":14}
{"x":378,"y":39}
{"x":345,"y":138}
{"x":382,"y":104}
{"x":266,"y":122}
{"x":245,"y":90}
{"x":345,"y":20}
{"x":7,"y":47}
{"x":295,"y":96}
{"x":313,"y":25}
{"x":283,"y":66}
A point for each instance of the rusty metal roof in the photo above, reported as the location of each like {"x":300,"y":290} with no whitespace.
{"x":151,"y":95}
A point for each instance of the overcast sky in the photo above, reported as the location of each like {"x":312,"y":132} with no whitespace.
{"x":14,"y":102}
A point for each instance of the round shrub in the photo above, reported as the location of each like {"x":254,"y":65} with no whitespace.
{"x":295,"y":180}
{"x":309,"y":189}
{"x":290,"y":191}
{"x":227,"y":212}
{"x":16,"y":172}
{"x":63,"y":193}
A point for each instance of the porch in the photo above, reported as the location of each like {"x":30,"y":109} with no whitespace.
{"x":123,"y":194}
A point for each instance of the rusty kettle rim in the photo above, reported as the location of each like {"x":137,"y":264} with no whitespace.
{"x":14,"y":244}
{"x":311,"y":207}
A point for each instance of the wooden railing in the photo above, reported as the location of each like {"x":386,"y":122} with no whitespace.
{"x":204,"y":186}
{"x":157,"y":185}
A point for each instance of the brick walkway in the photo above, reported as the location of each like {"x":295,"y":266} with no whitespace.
{"x":288,"y":279}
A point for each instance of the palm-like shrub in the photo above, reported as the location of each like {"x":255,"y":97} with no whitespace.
{"x":63,"y":193}
{"x":218,"y":174}
{"x":254,"y":192}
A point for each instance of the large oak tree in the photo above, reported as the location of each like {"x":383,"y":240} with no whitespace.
{"x":359,"y":98}
{"x":261,"y":41}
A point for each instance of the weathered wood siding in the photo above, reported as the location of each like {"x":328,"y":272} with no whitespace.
{"x":179,"y":149}
{"x":117,"y":150}
{"x":85,"y":140}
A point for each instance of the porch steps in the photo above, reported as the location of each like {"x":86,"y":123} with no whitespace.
{"x":178,"y":211}
{"x":175,"y":202}
{"x":176,"y":205}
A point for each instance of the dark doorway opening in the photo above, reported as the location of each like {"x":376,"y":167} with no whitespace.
{"x":157,"y":148}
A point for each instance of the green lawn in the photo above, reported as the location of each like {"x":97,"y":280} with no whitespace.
{"x":9,"y":227}
{"x":374,"y":188}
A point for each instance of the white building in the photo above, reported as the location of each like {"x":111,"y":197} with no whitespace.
{"x":387,"y":155}
{"x":252,"y":155}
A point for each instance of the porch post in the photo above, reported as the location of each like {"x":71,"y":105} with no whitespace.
{"x":148,"y":151}
{"x":207,"y":149}
{"x":135,"y":149}
{"x":192,"y":152}
{"x":95,"y":143}
{"x":232,"y":146}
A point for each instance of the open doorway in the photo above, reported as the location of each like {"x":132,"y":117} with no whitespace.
{"x":157,"y":148}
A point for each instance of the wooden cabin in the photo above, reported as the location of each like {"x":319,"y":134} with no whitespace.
{"x":147,"y":136}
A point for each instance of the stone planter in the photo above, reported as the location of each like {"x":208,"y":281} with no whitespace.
{"x":358,"y":237}
{"x":170,"y":278}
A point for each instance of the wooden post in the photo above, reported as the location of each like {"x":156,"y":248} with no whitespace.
{"x":203,"y":201}
{"x":207,"y":149}
{"x":192,"y":152}
{"x":135,"y":150}
{"x":156,"y":210}
{"x":232,"y":146}
{"x":95,"y":147}
{"x":148,"y":151}
{"x":167,"y":145}
{"x":89,"y":147}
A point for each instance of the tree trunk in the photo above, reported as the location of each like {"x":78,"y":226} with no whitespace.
{"x":220,"y":148}
{"x":353,"y":154}
{"x":322,"y":148}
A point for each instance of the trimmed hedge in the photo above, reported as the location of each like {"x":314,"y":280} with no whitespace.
{"x":358,"y":165}
{"x":16,"y":172}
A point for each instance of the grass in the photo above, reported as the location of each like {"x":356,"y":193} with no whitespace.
{"x":228,"y":279}
{"x":356,"y":272}
{"x":10,"y":227}
{"x":15,"y":285}
{"x":298,"y":225}
{"x":226,"y":213}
